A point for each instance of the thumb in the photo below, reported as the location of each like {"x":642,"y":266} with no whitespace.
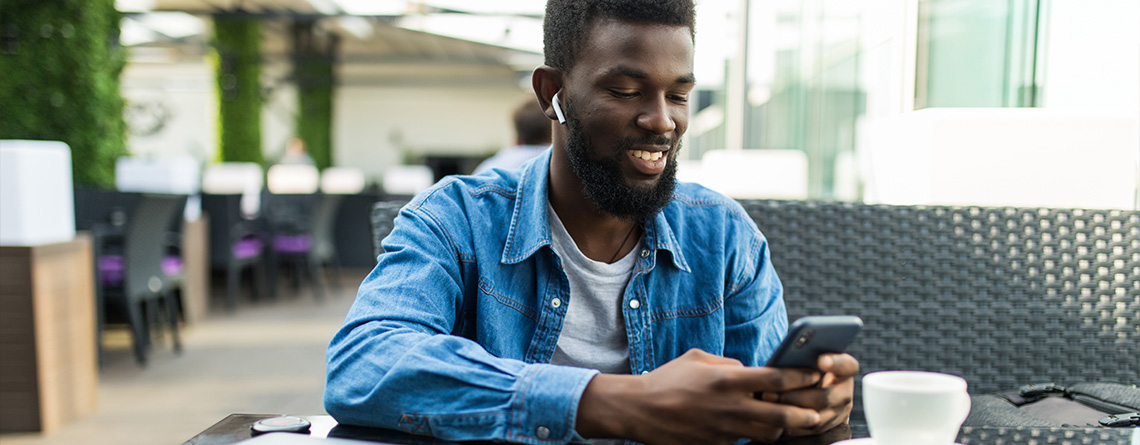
{"x":711,"y":359}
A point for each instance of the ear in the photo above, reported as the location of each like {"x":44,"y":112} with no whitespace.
{"x":547,"y":81}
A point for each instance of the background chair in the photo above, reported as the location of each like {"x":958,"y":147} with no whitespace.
{"x":146,"y":279}
{"x":235,"y":245}
{"x":292,"y":206}
{"x":336,"y":183}
{"x":289,"y":229}
{"x":103,"y":213}
{"x":231,"y":196}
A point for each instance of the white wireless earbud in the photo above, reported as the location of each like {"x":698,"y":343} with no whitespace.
{"x":558,"y":109}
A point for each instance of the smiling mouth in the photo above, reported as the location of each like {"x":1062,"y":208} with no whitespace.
{"x":651,"y":156}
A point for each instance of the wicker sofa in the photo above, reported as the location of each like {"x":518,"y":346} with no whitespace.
{"x":1001,"y":296}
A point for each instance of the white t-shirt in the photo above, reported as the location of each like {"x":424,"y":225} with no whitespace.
{"x":593,"y":331}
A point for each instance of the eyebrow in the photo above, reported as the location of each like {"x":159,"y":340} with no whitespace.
{"x":627,"y":71}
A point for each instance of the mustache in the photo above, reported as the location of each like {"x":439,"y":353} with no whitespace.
{"x":647,"y":140}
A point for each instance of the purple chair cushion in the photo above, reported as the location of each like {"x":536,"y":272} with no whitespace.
{"x":172,"y":265}
{"x":247,"y":248}
{"x":111,"y":270}
{"x":292,"y":243}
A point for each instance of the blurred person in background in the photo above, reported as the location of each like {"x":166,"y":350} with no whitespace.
{"x":296,"y":153}
{"x":588,"y":294}
{"x":532,"y":136}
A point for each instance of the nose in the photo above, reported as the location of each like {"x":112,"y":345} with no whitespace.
{"x":655,"y":117}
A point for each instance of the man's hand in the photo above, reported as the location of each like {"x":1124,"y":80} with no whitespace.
{"x":700,"y":398}
{"x":832,"y":399}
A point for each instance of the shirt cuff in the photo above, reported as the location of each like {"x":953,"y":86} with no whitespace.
{"x":545,"y":409}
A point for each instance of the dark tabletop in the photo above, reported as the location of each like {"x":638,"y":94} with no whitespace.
{"x":236,"y":428}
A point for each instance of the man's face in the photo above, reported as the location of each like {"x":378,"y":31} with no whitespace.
{"x":626,"y":105}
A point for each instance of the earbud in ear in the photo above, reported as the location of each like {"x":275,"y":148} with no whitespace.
{"x":558,"y":109}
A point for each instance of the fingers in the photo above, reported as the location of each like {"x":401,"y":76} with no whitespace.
{"x":706,"y":397}
{"x":817,"y":399}
{"x":829,"y":419}
{"x":842,"y":365}
{"x":712,"y":359}
{"x":766,"y":422}
{"x":765,"y":379}
{"x":833,"y":401}
{"x":783,"y":415}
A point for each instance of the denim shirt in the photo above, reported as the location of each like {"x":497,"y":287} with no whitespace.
{"x":452,"y":333}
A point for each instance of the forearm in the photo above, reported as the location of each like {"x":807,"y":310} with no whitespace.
{"x":448,"y":387}
{"x":601,"y":409}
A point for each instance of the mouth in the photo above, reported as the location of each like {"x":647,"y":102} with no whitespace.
{"x":647,"y":155}
{"x":649,"y":162}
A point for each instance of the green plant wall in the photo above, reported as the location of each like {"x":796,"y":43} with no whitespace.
{"x":59,"y":80}
{"x":237,"y":58}
{"x":314,"y":96}
{"x":314,"y":62}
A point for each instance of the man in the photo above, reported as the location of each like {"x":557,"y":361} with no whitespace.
{"x":532,"y":137}
{"x":296,"y":154}
{"x":500,"y":297}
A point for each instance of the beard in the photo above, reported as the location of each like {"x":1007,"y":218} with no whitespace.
{"x":604,"y":183}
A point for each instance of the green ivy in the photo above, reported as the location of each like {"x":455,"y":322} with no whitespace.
{"x":314,"y":121}
{"x":59,"y":80}
{"x":237,"y":61}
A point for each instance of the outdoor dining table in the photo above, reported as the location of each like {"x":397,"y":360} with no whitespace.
{"x":236,"y":428}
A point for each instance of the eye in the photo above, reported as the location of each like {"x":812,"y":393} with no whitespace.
{"x":681,"y":98}
{"x":621,"y":94}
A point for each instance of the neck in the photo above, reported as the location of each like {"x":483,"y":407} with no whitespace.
{"x":599,"y":235}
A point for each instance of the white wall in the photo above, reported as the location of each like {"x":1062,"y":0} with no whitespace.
{"x":186,"y":91}
{"x":1092,"y":57}
{"x":1025,"y":157}
{"x":279,"y":112}
{"x":376,"y":127}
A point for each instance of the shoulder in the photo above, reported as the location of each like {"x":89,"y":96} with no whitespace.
{"x":468,"y":195}
{"x":694,"y":203}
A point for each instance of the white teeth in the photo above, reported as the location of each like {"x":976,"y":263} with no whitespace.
{"x":646,"y":155}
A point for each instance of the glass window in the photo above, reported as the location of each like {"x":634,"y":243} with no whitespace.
{"x":977,"y":53}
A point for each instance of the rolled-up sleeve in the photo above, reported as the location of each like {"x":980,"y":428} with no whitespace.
{"x":394,"y":364}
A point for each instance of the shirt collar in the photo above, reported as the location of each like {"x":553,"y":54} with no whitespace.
{"x":530,"y":224}
{"x":659,"y":235}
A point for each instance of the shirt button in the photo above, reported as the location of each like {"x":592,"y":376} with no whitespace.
{"x":644,"y":253}
{"x":644,"y":372}
{"x":543,"y":432}
{"x":556,"y":302}
{"x":634,"y":304}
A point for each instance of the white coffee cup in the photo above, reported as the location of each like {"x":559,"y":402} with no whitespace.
{"x":914,"y":407}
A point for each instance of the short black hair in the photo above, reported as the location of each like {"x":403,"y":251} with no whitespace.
{"x":567,"y":23}
{"x":532,"y":127}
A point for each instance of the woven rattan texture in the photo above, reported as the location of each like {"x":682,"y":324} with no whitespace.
{"x":383,"y":217}
{"x":1001,"y":296}
{"x":1057,"y":436}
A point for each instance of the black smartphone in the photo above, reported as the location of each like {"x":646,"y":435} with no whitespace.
{"x":811,"y":336}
